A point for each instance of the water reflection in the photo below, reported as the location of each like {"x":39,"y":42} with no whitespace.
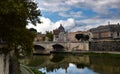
{"x":75,"y":64}
{"x":72,"y":69}
{"x":105,"y":65}
{"x":57,"y":58}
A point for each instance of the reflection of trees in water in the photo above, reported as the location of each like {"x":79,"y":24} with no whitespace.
{"x":105,"y":64}
{"x":82,"y":65}
{"x":55,"y":67}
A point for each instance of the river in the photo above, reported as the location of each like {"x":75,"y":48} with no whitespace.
{"x":74,"y":64}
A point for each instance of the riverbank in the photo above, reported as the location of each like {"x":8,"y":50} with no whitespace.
{"x":106,"y":53}
{"x":103,"y":53}
{"x":27,"y":70}
{"x":110,"y":52}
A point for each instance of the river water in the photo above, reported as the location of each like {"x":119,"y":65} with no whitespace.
{"x":74,"y":64}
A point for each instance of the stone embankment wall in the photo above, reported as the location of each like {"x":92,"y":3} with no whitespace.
{"x":105,"y":46}
{"x":81,"y":46}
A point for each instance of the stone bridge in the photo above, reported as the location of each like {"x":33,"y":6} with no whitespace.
{"x":66,"y":46}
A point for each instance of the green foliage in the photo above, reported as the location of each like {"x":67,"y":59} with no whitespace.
{"x":33,"y":30}
{"x":49,"y":35}
{"x":43,"y":38}
{"x":78,"y":36}
{"x":82,"y":37}
{"x":86,"y":37}
{"x":14,"y":16}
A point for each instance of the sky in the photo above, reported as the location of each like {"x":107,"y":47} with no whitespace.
{"x":76,"y":15}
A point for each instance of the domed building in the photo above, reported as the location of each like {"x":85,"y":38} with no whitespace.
{"x":59,"y":34}
{"x":61,"y":28}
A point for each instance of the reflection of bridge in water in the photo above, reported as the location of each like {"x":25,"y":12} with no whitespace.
{"x":60,"y":46}
{"x":63,"y":61}
{"x":56,"y":61}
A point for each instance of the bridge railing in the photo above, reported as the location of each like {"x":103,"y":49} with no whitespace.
{"x":48,"y":42}
{"x":36,"y":42}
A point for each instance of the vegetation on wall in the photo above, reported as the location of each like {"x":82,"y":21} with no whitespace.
{"x":79,"y":36}
{"x":82,"y":37}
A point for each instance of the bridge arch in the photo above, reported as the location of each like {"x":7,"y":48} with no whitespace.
{"x":38,"y":48}
{"x":58,"y":47}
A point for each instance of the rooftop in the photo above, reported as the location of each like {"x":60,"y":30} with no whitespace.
{"x":110,"y":27}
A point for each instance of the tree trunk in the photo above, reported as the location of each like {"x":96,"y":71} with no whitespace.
{"x":14,"y":66}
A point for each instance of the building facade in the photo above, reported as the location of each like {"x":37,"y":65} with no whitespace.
{"x":107,"y":32}
{"x":71,"y":35}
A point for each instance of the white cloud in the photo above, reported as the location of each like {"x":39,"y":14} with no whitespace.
{"x":93,"y":22}
{"x":98,"y":6}
{"x":48,"y":25}
{"x":63,"y":7}
{"x":71,"y":14}
{"x":74,"y":2}
{"x":52,"y":5}
{"x":71,"y":25}
{"x":67,"y":24}
{"x":102,"y":6}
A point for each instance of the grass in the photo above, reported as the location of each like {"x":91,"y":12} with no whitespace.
{"x":92,"y":54}
{"x":101,"y":54}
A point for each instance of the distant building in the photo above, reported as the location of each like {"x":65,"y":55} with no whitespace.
{"x":40,"y":37}
{"x":71,"y":35}
{"x":106,"y":32}
{"x":59,"y":34}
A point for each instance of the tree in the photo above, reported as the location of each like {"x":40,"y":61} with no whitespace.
{"x":49,"y":35}
{"x":14,"y":16}
{"x":79,"y":36}
{"x":86,"y":37}
{"x":82,"y":37}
